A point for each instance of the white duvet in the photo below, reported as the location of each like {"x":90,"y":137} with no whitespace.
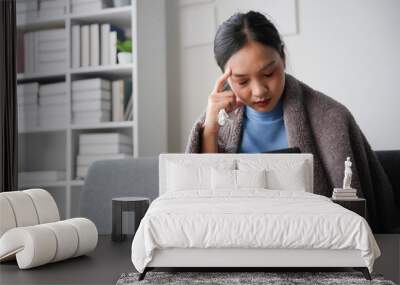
{"x":250,"y":219}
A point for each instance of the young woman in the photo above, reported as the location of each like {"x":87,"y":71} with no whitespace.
{"x":270,"y":109}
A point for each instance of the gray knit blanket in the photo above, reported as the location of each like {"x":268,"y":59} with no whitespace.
{"x":317,"y":124}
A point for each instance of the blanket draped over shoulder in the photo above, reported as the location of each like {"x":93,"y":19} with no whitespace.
{"x":317,"y":124}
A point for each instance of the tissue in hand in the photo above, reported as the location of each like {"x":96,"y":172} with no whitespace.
{"x":223,"y":117}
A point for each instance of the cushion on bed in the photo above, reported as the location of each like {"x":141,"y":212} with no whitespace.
{"x":281,"y":174}
{"x":251,"y":178}
{"x":223,"y":179}
{"x":186,"y":174}
{"x":237,"y":179}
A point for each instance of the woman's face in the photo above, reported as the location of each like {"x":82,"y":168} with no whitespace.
{"x":258,"y":76}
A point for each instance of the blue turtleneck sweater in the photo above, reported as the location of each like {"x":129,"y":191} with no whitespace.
{"x":263,"y":131}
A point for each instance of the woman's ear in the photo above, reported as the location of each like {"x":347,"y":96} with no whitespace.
{"x":283,"y":55}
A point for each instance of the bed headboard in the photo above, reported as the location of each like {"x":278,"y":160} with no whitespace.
{"x":271,"y":158}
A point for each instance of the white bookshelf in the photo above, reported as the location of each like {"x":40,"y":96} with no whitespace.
{"x":115,"y":70}
{"x":55,"y":148}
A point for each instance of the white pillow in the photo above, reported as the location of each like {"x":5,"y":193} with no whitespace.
{"x":189,"y":175}
{"x":223,"y":179}
{"x":292,"y":178}
{"x":226,"y":179}
{"x":251,"y":178}
{"x":281,"y":174}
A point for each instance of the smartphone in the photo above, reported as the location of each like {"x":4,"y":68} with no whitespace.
{"x":285,"y":150}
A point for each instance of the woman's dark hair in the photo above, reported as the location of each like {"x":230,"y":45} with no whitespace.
{"x":240,"y":29}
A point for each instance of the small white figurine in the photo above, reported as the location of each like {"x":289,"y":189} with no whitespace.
{"x":347,"y":174}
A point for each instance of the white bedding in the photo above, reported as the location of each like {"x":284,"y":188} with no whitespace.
{"x":252,"y":218}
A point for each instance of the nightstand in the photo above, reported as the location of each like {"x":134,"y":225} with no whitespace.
{"x":358,"y":205}
{"x":139,"y":205}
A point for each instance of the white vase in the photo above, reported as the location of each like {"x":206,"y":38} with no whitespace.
{"x":124,"y":57}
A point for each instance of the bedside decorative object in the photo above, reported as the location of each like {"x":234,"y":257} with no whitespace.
{"x":139,"y":205}
{"x":346,"y":193}
{"x":347,"y":196}
{"x":357,"y":205}
{"x":347,"y":174}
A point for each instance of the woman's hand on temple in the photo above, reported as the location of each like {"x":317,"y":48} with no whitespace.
{"x":218,"y":100}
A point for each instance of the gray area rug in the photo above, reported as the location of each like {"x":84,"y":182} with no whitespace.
{"x":225,"y":278}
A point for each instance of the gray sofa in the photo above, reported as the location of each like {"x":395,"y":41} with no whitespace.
{"x":116,"y":178}
{"x":139,"y":177}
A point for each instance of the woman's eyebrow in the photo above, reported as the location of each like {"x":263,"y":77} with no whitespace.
{"x":262,"y":68}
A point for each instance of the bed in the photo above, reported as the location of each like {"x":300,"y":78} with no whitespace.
{"x":245,"y":211}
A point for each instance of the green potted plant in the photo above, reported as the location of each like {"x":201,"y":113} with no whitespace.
{"x":124,"y":51}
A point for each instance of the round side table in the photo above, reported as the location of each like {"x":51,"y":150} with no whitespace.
{"x":139,"y":205}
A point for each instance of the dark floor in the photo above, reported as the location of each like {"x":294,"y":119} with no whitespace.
{"x":110,"y":259}
{"x":102,"y":266}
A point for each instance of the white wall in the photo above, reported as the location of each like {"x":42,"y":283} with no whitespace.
{"x":348,"y":49}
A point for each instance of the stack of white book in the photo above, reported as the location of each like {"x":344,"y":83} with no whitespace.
{"x":95,"y":44}
{"x":52,"y":8}
{"x":35,"y":177}
{"x":343,"y":194}
{"x":27,"y":99}
{"x":27,"y":11}
{"x":88,"y":6}
{"x":101,"y":146}
{"x":45,"y":51}
{"x":31,"y":10}
{"x":91,"y":101}
{"x":52,"y":105}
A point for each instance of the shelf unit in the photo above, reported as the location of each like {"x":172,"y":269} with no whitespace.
{"x":44,"y":148}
